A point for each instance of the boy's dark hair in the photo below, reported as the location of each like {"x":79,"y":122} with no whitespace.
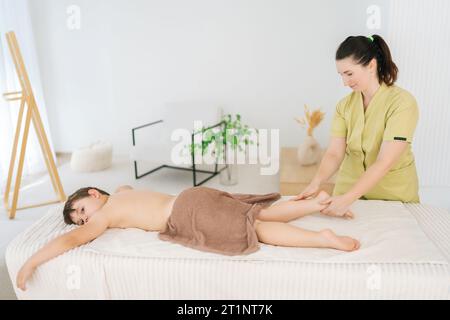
{"x":77,"y":195}
{"x":364,"y":49}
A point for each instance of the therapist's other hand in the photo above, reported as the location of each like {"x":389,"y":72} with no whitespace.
{"x":338,"y":206}
{"x":310,"y":191}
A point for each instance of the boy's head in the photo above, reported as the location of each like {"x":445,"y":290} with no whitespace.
{"x":83,"y":204}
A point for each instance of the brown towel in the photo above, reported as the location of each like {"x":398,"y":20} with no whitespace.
{"x":212,"y":220}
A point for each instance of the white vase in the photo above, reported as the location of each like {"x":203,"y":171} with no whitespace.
{"x":309,"y":152}
{"x":229,"y":175}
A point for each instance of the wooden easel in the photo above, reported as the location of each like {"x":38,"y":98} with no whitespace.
{"x":26,"y":97}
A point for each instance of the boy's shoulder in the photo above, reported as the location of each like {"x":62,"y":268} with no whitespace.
{"x":123,"y":188}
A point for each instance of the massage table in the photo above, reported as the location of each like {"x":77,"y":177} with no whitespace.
{"x":404,"y":254}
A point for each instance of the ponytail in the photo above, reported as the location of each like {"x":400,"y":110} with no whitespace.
{"x":387,"y":69}
{"x":364,"y":49}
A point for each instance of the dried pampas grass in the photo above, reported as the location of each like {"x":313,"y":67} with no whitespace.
{"x":311,"y":119}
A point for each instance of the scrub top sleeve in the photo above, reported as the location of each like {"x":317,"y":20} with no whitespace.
{"x":401,"y":124}
{"x":338,"y":126}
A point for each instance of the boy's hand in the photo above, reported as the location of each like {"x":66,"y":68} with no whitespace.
{"x":24,"y":274}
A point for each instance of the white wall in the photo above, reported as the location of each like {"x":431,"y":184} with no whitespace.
{"x":263,"y":59}
{"x":419,"y":34}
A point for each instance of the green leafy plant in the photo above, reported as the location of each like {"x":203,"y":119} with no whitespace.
{"x":231,"y":133}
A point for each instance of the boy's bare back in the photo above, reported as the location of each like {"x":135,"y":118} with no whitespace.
{"x":143,"y":209}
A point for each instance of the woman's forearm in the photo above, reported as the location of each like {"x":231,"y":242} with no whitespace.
{"x":328,"y":166}
{"x":368,"y":180}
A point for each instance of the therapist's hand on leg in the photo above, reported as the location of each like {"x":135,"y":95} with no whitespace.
{"x":338,"y":206}
{"x":310,"y":191}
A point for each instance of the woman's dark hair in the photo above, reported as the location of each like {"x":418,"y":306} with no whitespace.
{"x":364,"y":49}
{"x":77,"y":195}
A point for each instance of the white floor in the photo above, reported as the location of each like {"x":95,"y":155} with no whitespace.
{"x":120,"y":173}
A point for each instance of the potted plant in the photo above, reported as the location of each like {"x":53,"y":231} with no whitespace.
{"x":232,"y":136}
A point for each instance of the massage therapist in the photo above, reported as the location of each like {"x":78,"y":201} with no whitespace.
{"x":371,"y":131}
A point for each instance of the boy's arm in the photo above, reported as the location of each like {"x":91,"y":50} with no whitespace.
{"x":122,"y":188}
{"x":83,"y":234}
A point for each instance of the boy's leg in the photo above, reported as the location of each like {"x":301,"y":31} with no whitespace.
{"x":284,"y":234}
{"x":290,"y":210}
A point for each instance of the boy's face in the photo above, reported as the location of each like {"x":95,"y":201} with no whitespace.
{"x":85,"y":208}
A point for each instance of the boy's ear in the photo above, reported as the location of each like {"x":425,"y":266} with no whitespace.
{"x":94,"y":193}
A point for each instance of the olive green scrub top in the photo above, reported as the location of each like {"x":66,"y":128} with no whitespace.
{"x":391,"y":115}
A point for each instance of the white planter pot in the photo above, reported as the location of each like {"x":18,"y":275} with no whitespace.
{"x":309,"y":152}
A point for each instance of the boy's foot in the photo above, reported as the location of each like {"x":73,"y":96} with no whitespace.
{"x":347,"y":215}
{"x":339,"y":242}
{"x":321,"y":196}
{"x":324,"y":196}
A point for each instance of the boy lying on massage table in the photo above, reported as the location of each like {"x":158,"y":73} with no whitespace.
{"x":201,"y":218}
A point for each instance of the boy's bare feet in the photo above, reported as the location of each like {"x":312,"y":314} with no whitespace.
{"x":339,"y":242}
{"x":347,"y":215}
{"x":321,"y":196}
